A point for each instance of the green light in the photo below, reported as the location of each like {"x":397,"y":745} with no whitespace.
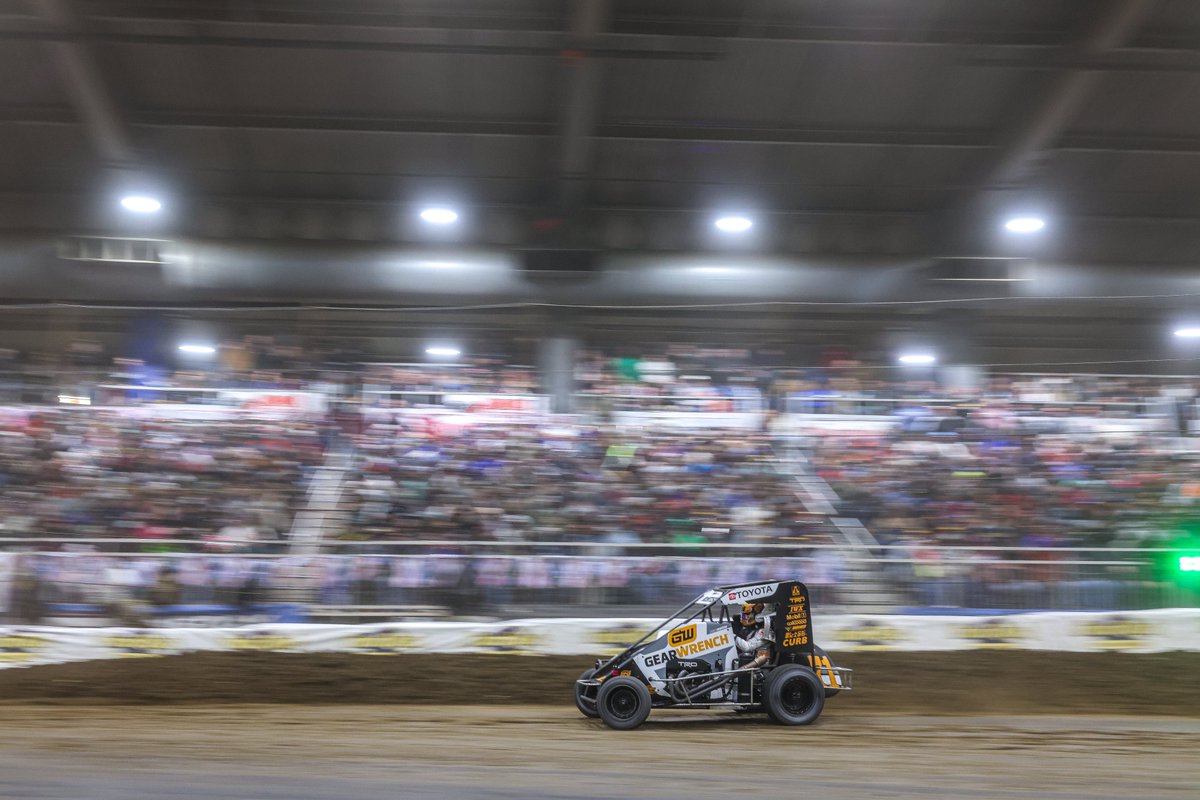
{"x":1189,"y":563}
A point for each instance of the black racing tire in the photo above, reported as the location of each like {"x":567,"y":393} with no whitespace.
{"x":623,"y":703}
{"x":587,"y":708}
{"x":820,"y":651}
{"x":793,"y":695}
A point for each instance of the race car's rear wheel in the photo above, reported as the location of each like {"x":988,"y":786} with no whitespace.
{"x":586,"y":705}
{"x":623,"y":703}
{"x":793,"y":695}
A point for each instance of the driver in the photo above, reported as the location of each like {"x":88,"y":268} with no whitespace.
{"x":754,"y":640}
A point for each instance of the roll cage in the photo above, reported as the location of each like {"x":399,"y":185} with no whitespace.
{"x":791,"y":622}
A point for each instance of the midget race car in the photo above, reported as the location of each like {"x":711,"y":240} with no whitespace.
{"x":692,"y":661}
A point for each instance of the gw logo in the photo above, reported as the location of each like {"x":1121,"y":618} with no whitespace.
{"x":266,"y":642}
{"x":682,"y":636}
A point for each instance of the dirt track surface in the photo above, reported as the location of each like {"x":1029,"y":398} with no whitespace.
{"x":978,"y":682}
{"x":1007,"y":725}
{"x":500,"y":752}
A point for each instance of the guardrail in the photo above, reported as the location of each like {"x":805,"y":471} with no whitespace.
{"x":489,"y":580}
{"x":869,"y":406}
{"x":963,"y":553}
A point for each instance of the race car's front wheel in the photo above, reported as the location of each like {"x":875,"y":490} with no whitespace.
{"x":585,"y":704}
{"x":623,"y":703}
{"x":793,"y":695}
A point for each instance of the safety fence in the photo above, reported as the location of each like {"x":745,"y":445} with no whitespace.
{"x":564,"y":578}
{"x":1137,"y":632}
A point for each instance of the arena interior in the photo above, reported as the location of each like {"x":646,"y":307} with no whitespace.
{"x":368,"y":368}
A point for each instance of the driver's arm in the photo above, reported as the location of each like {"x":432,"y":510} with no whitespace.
{"x":760,"y":659}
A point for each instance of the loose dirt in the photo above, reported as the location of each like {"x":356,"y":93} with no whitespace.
{"x":975,"y":682}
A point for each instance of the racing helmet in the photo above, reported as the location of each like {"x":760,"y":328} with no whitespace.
{"x":751,"y":612}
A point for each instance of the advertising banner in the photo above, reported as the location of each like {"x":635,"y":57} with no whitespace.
{"x":1083,"y":632}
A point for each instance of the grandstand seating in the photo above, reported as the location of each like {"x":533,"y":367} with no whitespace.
{"x":526,"y":482}
{"x":1006,"y":487}
{"x":88,"y":473}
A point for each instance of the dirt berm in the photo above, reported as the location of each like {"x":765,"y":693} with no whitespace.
{"x":1010,"y":682}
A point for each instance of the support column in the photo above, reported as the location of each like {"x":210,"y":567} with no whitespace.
{"x":556,"y":371}
{"x":959,"y":354}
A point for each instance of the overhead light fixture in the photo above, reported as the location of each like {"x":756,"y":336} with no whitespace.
{"x":917,"y":359}
{"x":1025,"y":224}
{"x":714,"y":270}
{"x":734,"y":224}
{"x":1188,"y":333}
{"x":446,"y":352}
{"x":141,"y":204}
{"x":439,"y":216}
{"x":197,"y":349}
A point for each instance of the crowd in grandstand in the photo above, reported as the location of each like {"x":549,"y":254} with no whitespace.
{"x":686,"y":377}
{"x":593,"y":500}
{"x":403,"y":384}
{"x":987,"y":486}
{"x":459,"y":582}
{"x":88,"y":473}
{"x":527,"y":483}
{"x":844,"y":385}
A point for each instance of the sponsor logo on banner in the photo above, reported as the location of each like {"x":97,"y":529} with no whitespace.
{"x":682,"y":635}
{"x":274,"y":402}
{"x":1117,"y":632}
{"x":993,"y":634}
{"x":262,"y":641}
{"x":747,"y":594}
{"x":21,"y":648}
{"x":385,"y":642}
{"x":507,"y":640}
{"x":139,"y":644}
{"x":486,"y":403}
{"x":618,"y":637}
{"x":870,"y":635}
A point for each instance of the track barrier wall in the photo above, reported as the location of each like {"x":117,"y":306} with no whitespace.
{"x":1134,"y":632}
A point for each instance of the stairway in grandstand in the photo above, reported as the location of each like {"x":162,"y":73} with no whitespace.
{"x":322,"y":516}
{"x":865,"y":591}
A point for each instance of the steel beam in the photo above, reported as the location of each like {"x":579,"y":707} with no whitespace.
{"x":1059,"y":103}
{"x":81,"y":77}
{"x":400,"y":40}
{"x":664,"y":131}
{"x":984,"y":48}
{"x":1124,"y":60}
{"x":581,"y":80}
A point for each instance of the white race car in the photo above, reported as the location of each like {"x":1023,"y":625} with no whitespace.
{"x":706,"y":655}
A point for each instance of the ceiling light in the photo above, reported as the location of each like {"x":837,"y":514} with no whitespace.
{"x":1025,"y":224}
{"x":734,"y":224}
{"x":140,"y":204}
{"x":449,"y":352}
{"x":439,"y":216}
{"x":917,"y":359}
{"x":197,"y":349}
{"x":1188,"y":333}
